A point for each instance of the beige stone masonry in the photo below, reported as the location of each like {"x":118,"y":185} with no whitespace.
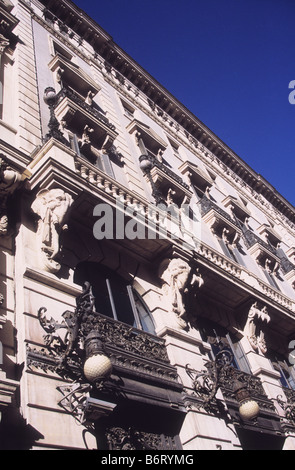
{"x":29,"y":129}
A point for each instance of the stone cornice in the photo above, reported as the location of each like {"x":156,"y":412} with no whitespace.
{"x":207,"y":157}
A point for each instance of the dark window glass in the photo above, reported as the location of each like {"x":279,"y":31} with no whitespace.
{"x":220,"y":339}
{"x":114,"y":296}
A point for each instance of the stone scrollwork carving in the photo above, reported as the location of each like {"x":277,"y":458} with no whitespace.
{"x":52,"y":207}
{"x":178,"y":278}
{"x":254,"y":328}
{"x":3,"y":224}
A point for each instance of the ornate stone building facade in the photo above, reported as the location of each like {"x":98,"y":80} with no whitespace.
{"x":147,"y":273}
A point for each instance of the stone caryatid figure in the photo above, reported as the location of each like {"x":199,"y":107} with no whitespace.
{"x":178,"y":279}
{"x":52,"y":207}
{"x":254,"y":328}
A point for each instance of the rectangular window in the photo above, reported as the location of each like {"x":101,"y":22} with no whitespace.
{"x":7,"y":91}
{"x":231,"y":252}
{"x":101,"y":160}
{"x":271,"y":279}
{"x":58,"y":49}
{"x":128,"y":110}
{"x":175,"y":149}
{"x":74,"y":144}
{"x":240,"y":356}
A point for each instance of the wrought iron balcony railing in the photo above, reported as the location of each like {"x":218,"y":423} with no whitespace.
{"x":208,"y":204}
{"x":128,"y":348}
{"x":70,"y":94}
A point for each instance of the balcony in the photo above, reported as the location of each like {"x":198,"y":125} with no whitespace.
{"x":7,"y":20}
{"x":264,"y":252}
{"x":76,"y":114}
{"x":71,"y":74}
{"x":141,"y":370}
{"x":168,"y":182}
{"x":267,"y":420}
{"x":197,"y":177}
{"x":220,"y":222}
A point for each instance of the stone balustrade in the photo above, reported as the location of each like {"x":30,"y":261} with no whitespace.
{"x":113,"y":189}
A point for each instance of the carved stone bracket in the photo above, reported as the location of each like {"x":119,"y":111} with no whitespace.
{"x":254,"y":328}
{"x":52,"y":207}
{"x":178,"y":279}
{"x":4,"y":42}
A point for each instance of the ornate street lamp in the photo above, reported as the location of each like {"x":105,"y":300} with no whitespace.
{"x":248,"y":408}
{"x":97,"y":366}
{"x":146,"y":164}
{"x":77,"y":355}
{"x":219,"y":373}
{"x":50,"y":98}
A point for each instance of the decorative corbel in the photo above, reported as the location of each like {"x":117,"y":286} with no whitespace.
{"x":59,"y":74}
{"x":89,"y":98}
{"x":4,"y":42}
{"x":254,"y":328}
{"x":52,"y":207}
{"x":107,"y":144}
{"x":178,"y":279}
{"x":85,"y":141}
{"x":230,"y":240}
{"x":160,"y":155}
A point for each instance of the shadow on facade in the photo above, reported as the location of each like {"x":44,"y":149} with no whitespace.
{"x":251,"y":440}
{"x":15,"y":433}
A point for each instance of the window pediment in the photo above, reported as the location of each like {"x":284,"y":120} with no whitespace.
{"x":7,"y":20}
{"x":170,"y":185}
{"x":291,"y":253}
{"x":151,"y":139}
{"x":237,"y":208}
{"x":222,"y":226}
{"x":198,"y":177}
{"x":269,"y":235}
{"x":218,"y":219}
{"x":264,"y":257}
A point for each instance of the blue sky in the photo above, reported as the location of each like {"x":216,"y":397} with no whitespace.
{"x":229,"y":62}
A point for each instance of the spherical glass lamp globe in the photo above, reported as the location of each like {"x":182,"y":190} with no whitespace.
{"x":249,"y":409}
{"x":49,"y":96}
{"x":145,"y":163}
{"x":97,"y":367}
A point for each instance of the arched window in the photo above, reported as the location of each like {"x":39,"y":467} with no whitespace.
{"x":281,"y":365}
{"x":221,"y":339}
{"x":114,"y":296}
